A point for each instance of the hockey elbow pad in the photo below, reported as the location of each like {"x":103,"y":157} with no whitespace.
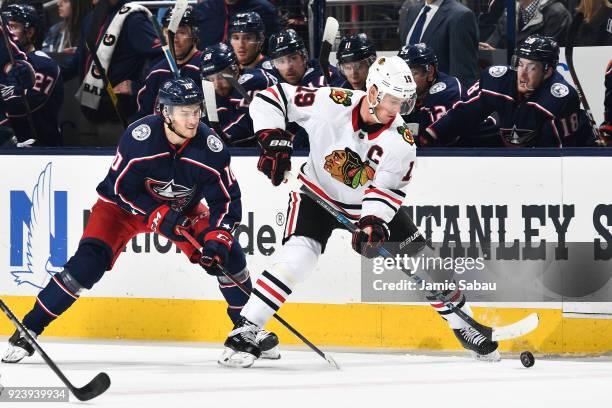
{"x":276,"y":149}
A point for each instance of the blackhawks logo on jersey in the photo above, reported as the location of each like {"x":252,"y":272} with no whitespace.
{"x":341,"y":96}
{"x":347,"y":167}
{"x":406,"y":133}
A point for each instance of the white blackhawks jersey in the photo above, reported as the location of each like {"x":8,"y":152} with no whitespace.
{"x":360,"y":174}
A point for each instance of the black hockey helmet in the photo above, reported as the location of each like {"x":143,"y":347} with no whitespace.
{"x":538,"y":48}
{"x":188,"y":19}
{"x":355,"y":48}
{"x":179,"y":92}
{"x":24,"y":14}
{"x":285,"y":42}
{"x":418,"y":55}
{"x":216,"y":58}
{"x":249,"y":22}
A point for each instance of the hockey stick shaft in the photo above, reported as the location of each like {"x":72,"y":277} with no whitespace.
{"x":329,"y":35}
{"x":170,"y":58}
{"x":247,"y":292}
{"x":175,"y":21}
{"x":569,"y":58}
{"x":24,"y":98}
{"x":486,"y":331}
{"x":234,"y":82}
{"x":95,"y":387}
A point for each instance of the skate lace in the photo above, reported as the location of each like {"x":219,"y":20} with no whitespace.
{"x":247,"y":332}
{"x":472,"y":335}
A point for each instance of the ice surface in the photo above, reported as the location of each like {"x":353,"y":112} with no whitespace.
{"x":176,"y":375}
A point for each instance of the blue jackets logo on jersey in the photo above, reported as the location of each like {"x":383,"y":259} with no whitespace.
{"x":42,"y":250}
{"x":175,"y":195}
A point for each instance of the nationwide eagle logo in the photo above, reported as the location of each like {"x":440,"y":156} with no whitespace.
{"x":347,"y":167}
{"x":175,"y":195}
{"x":341,"y":96}
{"x":43,"y":214}
{"x":406,"y":133}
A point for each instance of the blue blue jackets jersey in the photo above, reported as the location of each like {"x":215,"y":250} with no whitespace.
{"x":550,"y":117}
{"x":608,"y":97}
{"x":148,"y":171}
{"x":441,"y":97}
{"x":233,"y":110}
{"x":160,"y":73}
{"x":45,"y":99}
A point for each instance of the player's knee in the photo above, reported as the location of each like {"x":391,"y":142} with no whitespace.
{"x":296,"y":260}
{"x":88,"y":264}
{"x":241,"y":277}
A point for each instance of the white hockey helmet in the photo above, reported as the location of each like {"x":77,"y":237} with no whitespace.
{"x":392,"y":76}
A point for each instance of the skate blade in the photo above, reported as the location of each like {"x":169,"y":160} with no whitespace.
{"x":492,"y":357}
{"x":272,"y":354}
{"x":236,"y":359}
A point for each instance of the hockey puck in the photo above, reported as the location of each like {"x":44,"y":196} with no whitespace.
{"x":527,"y":359}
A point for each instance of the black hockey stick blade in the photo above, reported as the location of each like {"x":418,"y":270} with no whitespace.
{"x":514,"y":330}
{"x":329,"y":36}
{"x":95,"y":387}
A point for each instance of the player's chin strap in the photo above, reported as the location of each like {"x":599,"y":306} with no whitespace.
{"x":372,"y":107}
{"x":171,"y":126}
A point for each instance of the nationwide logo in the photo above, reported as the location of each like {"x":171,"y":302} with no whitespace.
{"x":38,"y":231}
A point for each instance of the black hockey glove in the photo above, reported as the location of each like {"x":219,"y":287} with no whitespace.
{"x":276,"y":149}
{"x":372,"y":234}
{"x":216,"y":245}
{"x":20,"y":77}
{"x":168,"y":222}
{"x":606,"y":132}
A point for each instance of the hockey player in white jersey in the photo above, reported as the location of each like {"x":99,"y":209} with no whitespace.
{"x":361,"y":159}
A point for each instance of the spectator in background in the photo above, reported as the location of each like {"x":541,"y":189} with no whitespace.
{"x":214,"y":16}
{"x":535,"y":105}
{"x":355,"y":55}
{"x":450,"y":29}
{"x":126,"y":40}
{"x":64,"y":36}
{"x":548,"y":18}
{"x":247,"y":38}
{"x":596,"y":29}
{"x":187,"y":58}
{"x":46,"y":92}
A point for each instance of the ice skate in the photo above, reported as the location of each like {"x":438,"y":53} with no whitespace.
{"x":268,"y":344}
{"x":482,"y":349}
{"x":18,"y":349}
{"x":241,"y":348}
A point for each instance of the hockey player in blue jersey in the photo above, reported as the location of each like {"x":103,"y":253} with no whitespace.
{"x":164,"y":167}
{"x":606,"y":126}
{"x":536,"y":106}
{"x":247,"y":36}
{"x":355,"y":55}
{"x":187,"y":59}
{"x":291,"y":64}
{"x":45,"y":94}
{"x":235,"y":124}
{"x":437,"y":93}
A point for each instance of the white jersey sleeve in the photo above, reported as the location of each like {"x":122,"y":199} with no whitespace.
{"x":279,"y":104}
{"x":386,"y":193}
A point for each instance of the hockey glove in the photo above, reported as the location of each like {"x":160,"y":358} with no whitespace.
{"x":372,"y":234}
{"x":606,"y":131}
{"x":215,"y":250}
{"x":168,"y":222}
{"x":275,"y":159}
{"x":20,"y":77}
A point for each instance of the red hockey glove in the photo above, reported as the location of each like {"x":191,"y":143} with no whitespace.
{"x":373,"y":233}
{"x":606,"y":131}
{"x":215,"y":249}
{"x":168,"y":222}
{"x":276,"y":149}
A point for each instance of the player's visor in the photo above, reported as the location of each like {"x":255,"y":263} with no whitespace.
{"x":348,"y":67}
{"x":403,"y":106}
{"x":517,"y":63}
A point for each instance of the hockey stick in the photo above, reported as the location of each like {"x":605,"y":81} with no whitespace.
{"x":234,"y":82}
{"x":329,"y":37}
{"x":99,"y":13}
{"x":330,"y":360}
{"x":569,"y":58}
{"x":24,"y":98}
{"x":170,"y":58}
{"x":95,"y":387}
{"x":175,"y":21}
{"x":511,"y":331}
